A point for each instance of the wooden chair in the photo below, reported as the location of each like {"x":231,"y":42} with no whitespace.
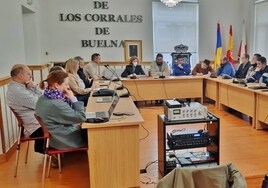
{"x":51,"y":151}
{"x":22,"y":137}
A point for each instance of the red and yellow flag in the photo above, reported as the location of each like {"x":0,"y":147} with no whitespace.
{"x":229,"y":53}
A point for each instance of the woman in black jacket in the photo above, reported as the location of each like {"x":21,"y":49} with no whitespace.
{"x":133,"y":69}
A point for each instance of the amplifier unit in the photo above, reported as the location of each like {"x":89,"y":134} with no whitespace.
{"x":175,"y":110}
{"x":188,"y":139}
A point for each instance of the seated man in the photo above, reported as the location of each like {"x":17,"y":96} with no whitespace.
{"x":202,"y":68}
{"x":91,"y":69}
{"x":159,"y":67}
{"x":87,"y":81}
{"x":180,"y":68}
{"x":22,"y":96}
{"x":260,"y":70}
{"x":226,"y":68}
{"x":243,"y":68}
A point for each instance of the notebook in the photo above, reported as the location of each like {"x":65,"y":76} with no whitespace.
{"x":104,"y":84}
{"x":258,"y":87}
{"x":105,"y":114}
{"x":239,"y":81}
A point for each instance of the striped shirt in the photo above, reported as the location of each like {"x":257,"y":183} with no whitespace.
{"x":23,"y":101}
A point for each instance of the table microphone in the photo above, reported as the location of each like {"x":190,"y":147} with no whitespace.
{"x":162,"y":75}
{"x":113,"y":73}
{"x":118,"y":79}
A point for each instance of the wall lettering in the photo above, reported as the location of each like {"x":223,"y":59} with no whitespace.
{"x":93,"y":17}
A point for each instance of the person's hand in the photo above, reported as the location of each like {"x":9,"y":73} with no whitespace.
{"x":257,"y":69}
{"x":180,"y":66}
{"x":130,"y":75}
{"x":134,"y":74}
{"x":30,"y":84}
{"x":199,"y":74}
{"x":68,"y":93}
{"x":89,"y":89}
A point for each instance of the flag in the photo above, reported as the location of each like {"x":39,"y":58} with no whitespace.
{"x":218,"y":47}
{"x":243,"y":44}
{"x":229,"y":53}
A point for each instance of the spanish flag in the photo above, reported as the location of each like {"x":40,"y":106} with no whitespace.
{"x":229,"y":54}
{"x":218,"y":47}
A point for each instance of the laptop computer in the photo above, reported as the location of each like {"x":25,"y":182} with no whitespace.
{"x":104,"y":115}
{"x":105,"y":99}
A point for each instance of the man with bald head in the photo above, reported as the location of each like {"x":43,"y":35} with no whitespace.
{"x":22,"y":95}
{"x":226,"y":69}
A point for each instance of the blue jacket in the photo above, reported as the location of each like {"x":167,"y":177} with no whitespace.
{"x":227,"y":69}
{"x":177,"y":71}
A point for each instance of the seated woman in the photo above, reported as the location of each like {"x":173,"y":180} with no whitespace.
{"x":56,"y":67}
{"x":76,"y":84}
{"x":133,"y":69}
{"x":180,"y":68}
{"x":61,"y":112}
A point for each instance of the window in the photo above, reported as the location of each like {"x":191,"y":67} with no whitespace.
{"x":261,"y":28}
{"x":174,"y":26}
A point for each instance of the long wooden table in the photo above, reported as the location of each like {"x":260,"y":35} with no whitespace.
{"x":113,"y":153}
{"x":222,"y":91}
{"x":236,"y":96}
{"x":150,"y":88}
{"x":261,"y":110}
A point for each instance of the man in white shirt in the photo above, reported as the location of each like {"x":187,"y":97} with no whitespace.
{"x":159,"y":67}
{"x":91,"y":69}
{"x":22,"y":96}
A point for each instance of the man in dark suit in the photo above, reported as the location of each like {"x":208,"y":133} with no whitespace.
{"x":133,"y":69}
{"x":243,"y":68}
{"x":80,"y":72}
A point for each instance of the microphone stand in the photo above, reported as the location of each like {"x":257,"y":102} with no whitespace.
{"x":113,"y":73}
{"x":162,"y":75}
{"x":118,"y":79}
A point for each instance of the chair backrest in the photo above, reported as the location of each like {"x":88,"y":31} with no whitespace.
{"x":46,"y":133}
{"x":20,"y":122}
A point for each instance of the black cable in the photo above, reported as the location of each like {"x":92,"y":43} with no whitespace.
{"x":150,"y":163}
{"x":146,"y":131}
{"x":147,"y":182}
{"x":138,"y":91}
{"x":165,"y":88}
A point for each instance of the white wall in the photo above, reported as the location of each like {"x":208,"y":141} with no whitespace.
{"x":11,"y":36}
{"x":65,"y":37}
{"x":62,"y":40}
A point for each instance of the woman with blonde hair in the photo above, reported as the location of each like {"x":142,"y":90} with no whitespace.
{"x":133,"y":69}
{"x":75,"y":82}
